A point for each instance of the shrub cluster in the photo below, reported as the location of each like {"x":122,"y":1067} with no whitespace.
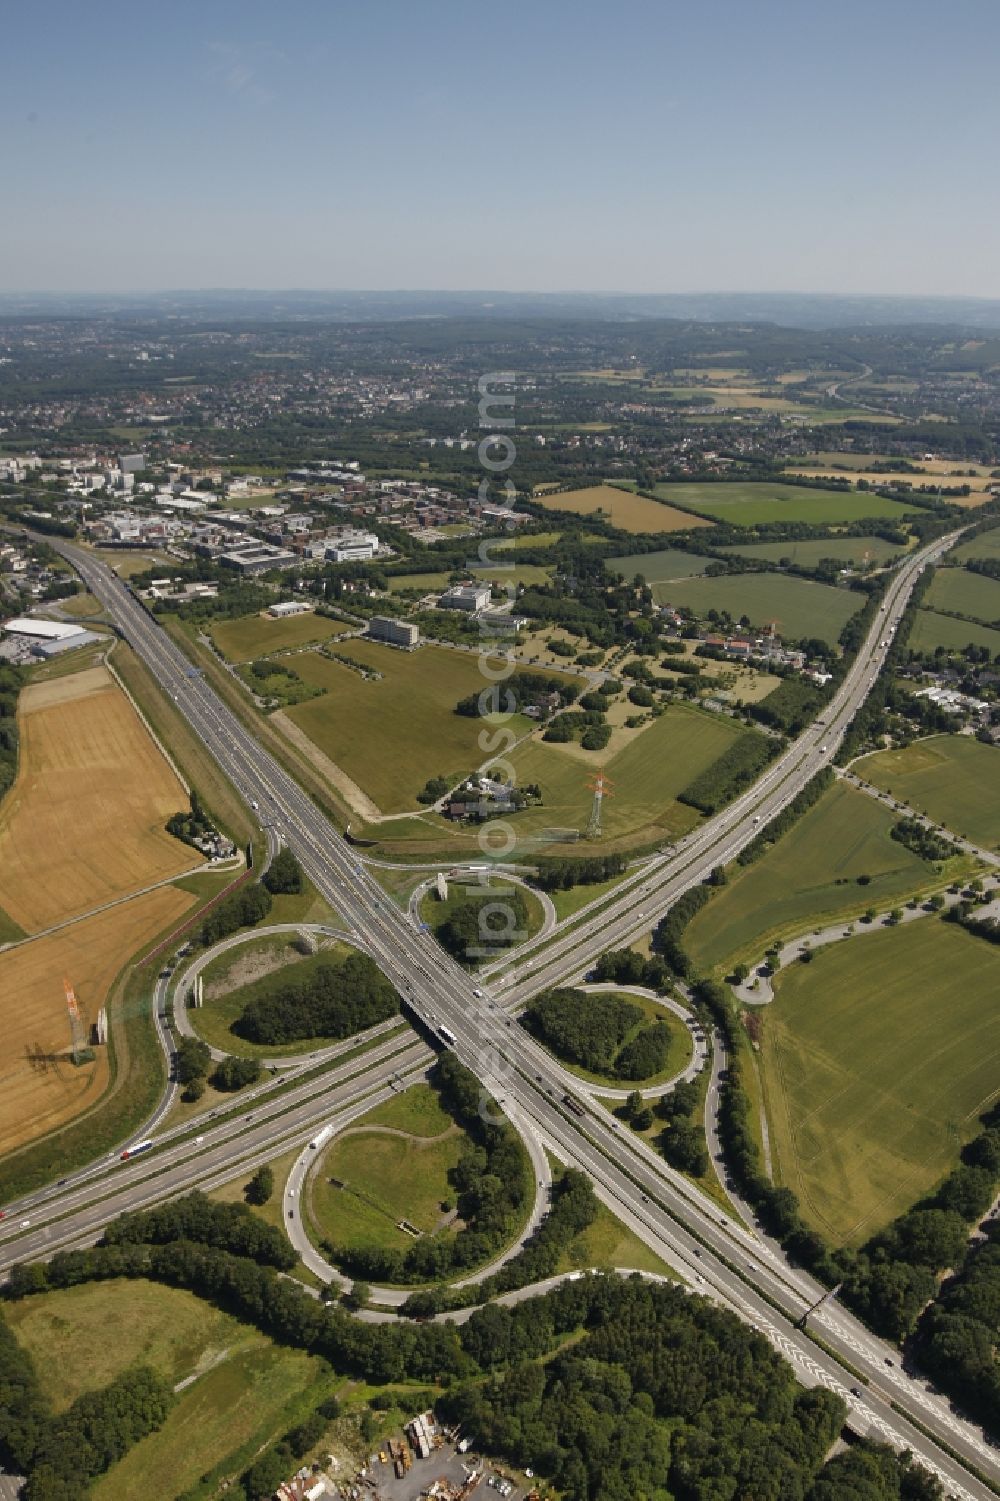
{"x":243,"y":908}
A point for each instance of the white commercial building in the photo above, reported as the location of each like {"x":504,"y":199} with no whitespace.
{"x":352,"y":547}
{"x":472,"y":597}
{"x":47,"y":630}
{"x":288,"y":607}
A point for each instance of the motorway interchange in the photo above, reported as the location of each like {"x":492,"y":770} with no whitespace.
{"x":727,"y":1260}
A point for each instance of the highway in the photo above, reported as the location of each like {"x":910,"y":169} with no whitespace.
{"x":735,"y":1265}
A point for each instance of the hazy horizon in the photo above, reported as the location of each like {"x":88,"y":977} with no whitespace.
{"x":556,"y":148}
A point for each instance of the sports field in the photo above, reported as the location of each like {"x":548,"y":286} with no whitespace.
{"x":798,"y":607}
{"x":986,"y":545}
{"x":809,"y":552}
{"x":84,"y":822}
{"x":646,"y":777}
{"x":877,"y":1059}
{"x":391,"y":736}
{"x":258,"y":635}
{"x":41,"y":1086}
{"x":807,"y":880}
{"x":668,"y":563}
{"x":629,"y":512}
{"x":754,"y":502}
{"x":931,"y":630}
{"x":956,"y":591}
{"x":952,"y":778}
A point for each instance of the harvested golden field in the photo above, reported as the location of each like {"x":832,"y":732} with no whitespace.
{"x":632,"y":513}
{"x":84,"y":822}
{"x":42,"y":1088}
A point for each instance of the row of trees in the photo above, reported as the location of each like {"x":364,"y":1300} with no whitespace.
{"x":789,"y":815}
{"x":560,"y":874}
{"x":333,"y":998}
{"x":11,"y":683}
{"x":248,"y":905}
{"x":735,"y":770}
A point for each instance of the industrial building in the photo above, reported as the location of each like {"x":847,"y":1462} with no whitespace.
{"x":253,"y":558}
{"x":471,"y":597}
{"x":352,"y":547}
{"x":47,"y":638}
{"x":396,"y":632}
{"x":288,"y":607}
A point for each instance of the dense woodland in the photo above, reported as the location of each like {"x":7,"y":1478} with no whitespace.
{"x":600,"y":1032}
{"x":336,"y":998}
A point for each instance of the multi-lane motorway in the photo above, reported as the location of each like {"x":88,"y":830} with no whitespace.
{"x":719,"y":1256}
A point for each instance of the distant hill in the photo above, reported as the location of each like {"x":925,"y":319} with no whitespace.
{"x":804,"y":310}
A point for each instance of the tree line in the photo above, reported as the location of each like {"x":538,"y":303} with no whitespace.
{"x":562,"y":873}
{"x":609,"y":1388}
{"x":735,"y":770}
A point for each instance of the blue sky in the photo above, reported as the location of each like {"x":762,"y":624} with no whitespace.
{"x":644,"y":145}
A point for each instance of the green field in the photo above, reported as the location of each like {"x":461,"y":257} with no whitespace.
{"x":931,"y":630}
{"x":67,"y":1333}
{"x":754,"y":502}
{"x":432,"y":583}
{"x":386,"y":1176}
{"x":213,"y":1021}
{"x":878,"y":1058}
{"x":808,"y":880}
{"x":425,"y":582}
{"x":219,"y":1423}
{"x":955,"y":590}
{"x":986,"y":545}
{"x":656,"y":567}
{"x":82,"y":606}
{"x":809,"y":552}
{"x":126,"y":564}
{"x":647,"y":775}
{"x":391,"y":736}
{"x":799,"y":606}
{"x":952,"y":778}
{"x":260,"y":635}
